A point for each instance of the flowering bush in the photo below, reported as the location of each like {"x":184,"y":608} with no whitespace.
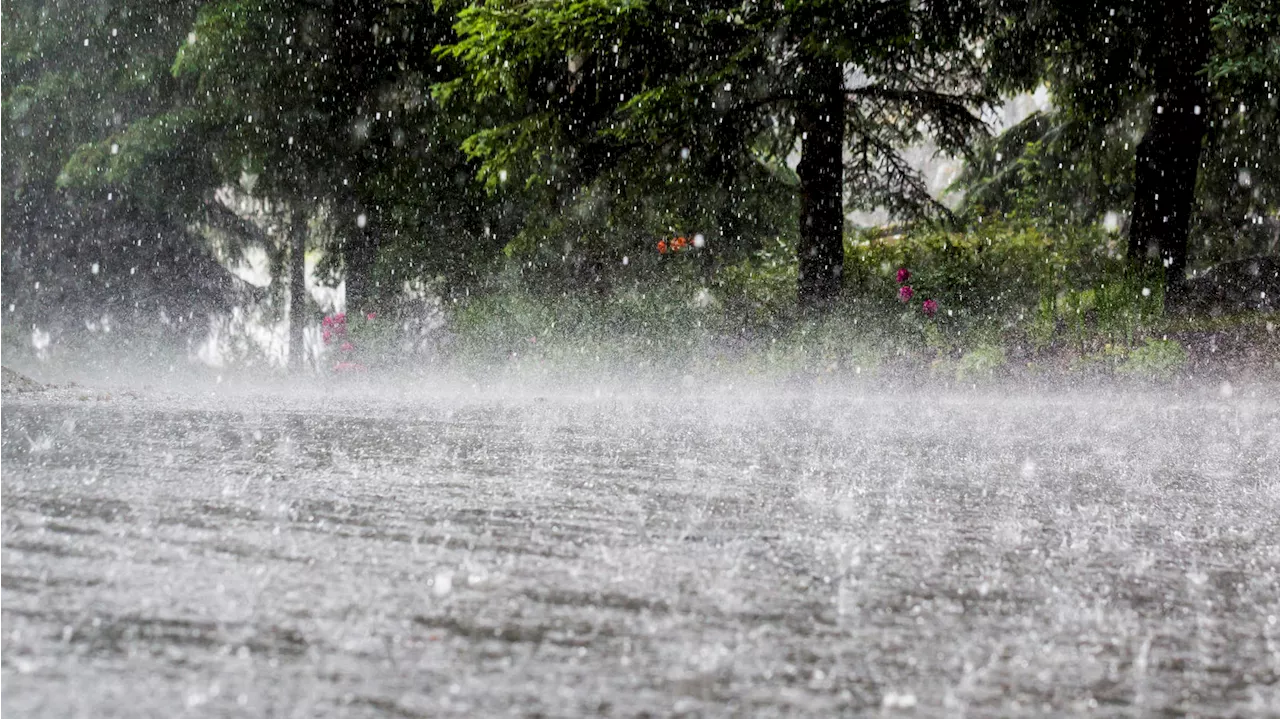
{"x":905,"y":293}
{"x":351,"y":341}
{"x":679,"y":244}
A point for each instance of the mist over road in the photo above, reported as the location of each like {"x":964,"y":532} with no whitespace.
{"x":620,"y":553}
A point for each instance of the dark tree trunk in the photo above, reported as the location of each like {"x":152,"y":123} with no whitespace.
{"x":820,"y":115}
{"x":726,"y":231}
{"x":1168,"y":157}
{"x":362,"y":60}
{"x":297,"y":287}
{"x":359,"y":251}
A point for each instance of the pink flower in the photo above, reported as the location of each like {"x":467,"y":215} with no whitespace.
{"x":347,"y":347}
{"x":340,"y":317}
{"x":930,"y":308}
{"x":348,"y":367}
{"x":337,"y":324}
{"x":327,"y":335}
{"x":371,"y":315}
{"x":903,"y":275}
{"x":905,"y":292}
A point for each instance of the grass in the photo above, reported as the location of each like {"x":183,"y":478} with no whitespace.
{"x":1012,"y":301}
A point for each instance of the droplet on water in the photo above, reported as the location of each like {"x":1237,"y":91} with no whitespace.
{"x":893,"y":700}
{"x":442,"y":584}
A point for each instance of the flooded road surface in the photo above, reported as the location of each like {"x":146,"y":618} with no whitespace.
{"x":816,"y":552}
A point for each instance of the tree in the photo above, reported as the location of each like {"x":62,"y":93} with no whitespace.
{"x":323,"y":107}
{"x":1168,"y":156}
{"x":285,"y":93}
{"x":1239,"y":199}
{"x":1054,"y":168}
{"x":75,"y":74}
{"x":319,"y":109}
{"x":600,"y":87}
{"x":1156,"y":85}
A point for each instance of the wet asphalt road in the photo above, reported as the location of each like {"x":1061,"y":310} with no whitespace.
{"x":810,"y":552}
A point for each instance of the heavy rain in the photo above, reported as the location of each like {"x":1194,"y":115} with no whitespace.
{"x":669,"y":358}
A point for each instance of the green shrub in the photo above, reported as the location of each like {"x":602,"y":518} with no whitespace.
{"x":1001,"y":289}
{"x":1006,"y":283}
{"x":990,"y":272}
{"x":981,"y":362}
{"x":1157,"y":359}
{"x":760,"y":291}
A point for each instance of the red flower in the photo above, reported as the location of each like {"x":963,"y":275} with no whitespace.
{"x":930,"y":308}
{"x":336,"y":323}
{"x":905,"y":292}
{"x":662,"y":247}
{"x":680,"y":243}
{"x":903,"y":275}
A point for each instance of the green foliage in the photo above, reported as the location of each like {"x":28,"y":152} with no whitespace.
{"x":1004,"y":290}
{"x":692,"y":107}
{"x":992,"y":273}
{"x":1052,"y":169}
{"x":158,"y":162}
{"x":1099,"y":62}
{"x":981,"y":362}
{"x":75,"y":73}
{"x":1157,"y":359}
{"x":639,"y":332}
{"x":1118,"y":308}
{"x":762,"y":288}
{"x":543,"y":148}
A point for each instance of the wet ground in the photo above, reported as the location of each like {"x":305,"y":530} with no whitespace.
{"x":810,"y":552}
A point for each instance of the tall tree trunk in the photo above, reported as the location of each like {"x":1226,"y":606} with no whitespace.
{"x":820,"y":115}
{"x":297,"y":287}
{"x":359,"y":250}
{"x":360,"y":56}
{"x":726,"y":230}
{"x":1168,"y":157}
